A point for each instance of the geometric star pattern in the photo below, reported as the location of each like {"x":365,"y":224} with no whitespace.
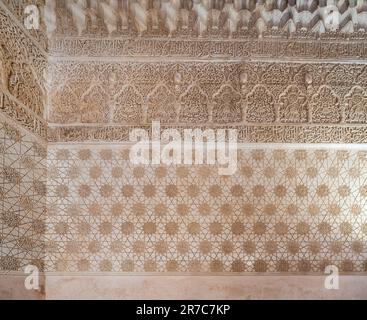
{"x":286,"y":209}
{"x":22,"y":199}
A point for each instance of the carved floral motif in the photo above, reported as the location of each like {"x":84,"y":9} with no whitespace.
{"x":95,"y":106}
{"x":293,"y":106}
{"x":260,"y":105}
{"x":356,"y":106}
{"x":194,"y":106}
{"x":227,"y":106}
{"x":22,"y":67}
{"x":161,"y":105}
{"x":325,"y":106}
{"x":66,"y":108}
{"x":128,"y":108}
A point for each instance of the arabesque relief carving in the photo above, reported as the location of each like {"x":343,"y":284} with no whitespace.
{"x":23,"y":115}
{"x":161,"y":105}
{"x":128,"y":108}
{"x":17,"y":9}
{"x":325,"y":106}
{"x":246,"y":133}
{"x":94,"y":105}
{"x":194,"y":106}
{"x":196,"y":93}
{"x":224,"y":93}
{"x":22,"y":71}
{"x":227,"y":105}
{"x":182,"y":49}
{"x":293,"y":105}
{"x":97,"y":69}
{"x":356,"y":105}
{"x":260,"y":105}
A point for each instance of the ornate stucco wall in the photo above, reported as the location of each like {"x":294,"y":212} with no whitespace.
{"x":23,"y":154}
{"x":23,"y":66}
{"x":23,"y":147}
{"x":267,"y":102}
{"x":23,"y":198}
{"x":278,"y":71}
{"x":284,"y":210}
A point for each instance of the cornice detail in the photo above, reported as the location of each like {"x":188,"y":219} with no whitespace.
{"x":205,"y":18}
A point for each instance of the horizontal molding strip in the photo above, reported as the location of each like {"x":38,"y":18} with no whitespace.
{"x":317,"y":49}
{"x":246,"y":134}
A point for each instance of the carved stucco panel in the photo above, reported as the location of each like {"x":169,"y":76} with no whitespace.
{"x":194,"y":106}
{"x":161,"y":105}
{"x":227,"y":106}
{"x":95,"y":105}
{"x":356,"y":106}
{"x":65,"y":105}
{"x":260,"y":106}
{"x":128,"y":106}
{"x":293,"y":106}
{"x":211,"y":93}
{"x":326,"y":106}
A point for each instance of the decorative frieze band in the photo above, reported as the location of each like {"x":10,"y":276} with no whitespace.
{"x":198,"y":93}
{"x":199,"y":29}
{"x":208,"y":49}
{"x":246,"y":134}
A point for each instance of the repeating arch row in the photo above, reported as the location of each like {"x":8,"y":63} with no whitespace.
{"x":227,"y":105}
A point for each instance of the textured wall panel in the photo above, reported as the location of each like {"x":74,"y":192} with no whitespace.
{"x":284,"y":210}
{"x":22,"y":198}
{"x":266,"y":102}
{"x":22,"y":67}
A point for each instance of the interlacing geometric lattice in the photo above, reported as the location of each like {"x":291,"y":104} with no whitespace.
{"x":284,"y":210}
{"x":22,"y":199}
